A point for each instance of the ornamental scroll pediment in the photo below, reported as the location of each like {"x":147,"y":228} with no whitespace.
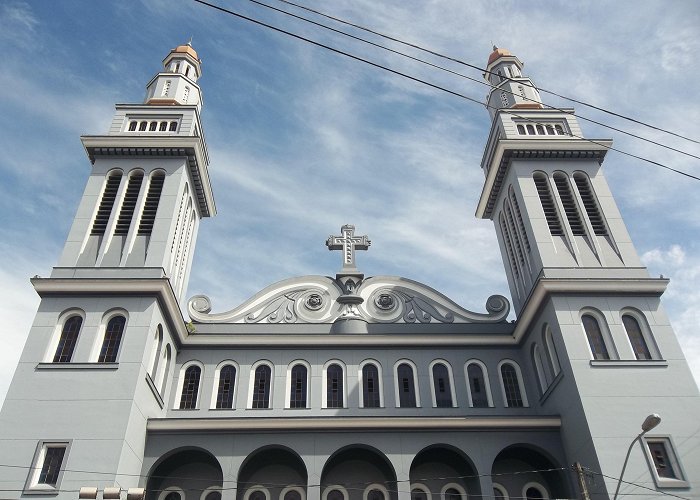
{"x":320,"y":299}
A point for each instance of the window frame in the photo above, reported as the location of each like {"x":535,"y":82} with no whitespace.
{"x":376,"y":486}
{"x":450,"y":379}
{"x":361,"y":382}
{"x":487,"y":384}
{"x":645,"y":330}
{"x":502,"y":490}
{"x":217,"y":378}
{"x":458,"y":487}
{"x":397,"y":390}
{"x":210,"y":489}
{"x":251,"y":385}
{"x":605,"y":333}
{"x":288,"y":386}
{"x":421,"y":487}
{"x":324,"y":384}
{"x":538,"y":486}
{"x":339,"y":487}
{"x":180,"y":385}
{"x":52,"y":349}
{"x":551,"y":351}
{"x":521,"y":385}
{"x":170,"y":489}
{"x":32,"y":484}
{"x":298,"y":489}
{"x":253,"y":489}
{"x":681,"y":481}
{"x":102,"y":331}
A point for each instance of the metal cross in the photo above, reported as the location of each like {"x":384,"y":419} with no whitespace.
{"x":348,"y":243}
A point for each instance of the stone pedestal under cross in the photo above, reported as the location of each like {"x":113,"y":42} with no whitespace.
{"x":348,"y":243}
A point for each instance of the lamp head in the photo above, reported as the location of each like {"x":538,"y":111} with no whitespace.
{"x":650,"y":422}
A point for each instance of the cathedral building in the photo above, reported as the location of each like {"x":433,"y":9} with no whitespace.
{"x":349,"y":387}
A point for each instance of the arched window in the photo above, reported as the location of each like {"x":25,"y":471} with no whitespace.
{"x":406,"y":386}
{"x":155,"y":354}
{"x":153,"y":126}
{"x":442,"y":386}
{"x":521,"y":130}
{"x":375,"y":492}
{"x":163,"y":127}
{"x":68,"y":339}
{"x":172,"y":493}
{"x":335,"y":492}
{"x":165,"y":372}
{"x":257,"y":493}
{"x":535,"y":491}
{"x":132,"y":126}
{"x":292,"y":494}
{"x":112,"y":339}
{"x":552,"y":355}
{"x":173,"y":127}
{"x":479,"y":388}
{"x":213,"y":493}
{"x":225,"y":387}
{"x":636,"y":337}
{"x":371,"y":390}
{"x":142,"y":126}
{"x":540,"y":129}
{"x":551,"y":213}
{"x":109,"y":195}
{"x":190,"y":387}
{"x":530,"y":129}
{"x":537,"y":363}
{"x":453,"y":491}
{"x":298,"y":386}
{"x":590,"y":203}
{"x":420,"y":492}
{"x":334,"y":386}
{"x":597,"y":343}
{"x":550,"y":130}
{"x":561,"y":180}
{"x":262,"y":384}
{"x":511,"y":382}
{"x":499,"y":492}
{"x":559,"y":129}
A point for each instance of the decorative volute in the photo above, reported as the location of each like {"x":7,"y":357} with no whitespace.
{"x":509,"y":88}
{"x":177,"y":83}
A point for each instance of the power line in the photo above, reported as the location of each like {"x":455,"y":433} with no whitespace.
{"x":591,"y":471}
{"x":464,"y":63}
{"x":467,"y":77}
{"x":424,"y":82}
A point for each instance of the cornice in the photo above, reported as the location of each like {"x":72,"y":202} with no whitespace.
{"x":546,"y":287}
{"x":506,"y":150}
{"x":190,"y":147}
{"x":339,"y":424}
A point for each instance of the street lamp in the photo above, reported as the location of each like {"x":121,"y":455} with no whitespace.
{"x":649,"y":423}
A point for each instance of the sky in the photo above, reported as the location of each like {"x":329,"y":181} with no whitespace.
{"x":303,"y":140}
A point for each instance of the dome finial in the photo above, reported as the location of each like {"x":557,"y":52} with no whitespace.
{"x":190,"y":41}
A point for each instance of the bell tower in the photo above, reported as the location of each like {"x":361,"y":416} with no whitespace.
{"x":544,"y":188}
{"x":149,"y":187}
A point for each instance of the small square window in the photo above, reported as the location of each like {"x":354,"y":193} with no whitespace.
{"x":47,"y":468}
{"x":666,"y":468}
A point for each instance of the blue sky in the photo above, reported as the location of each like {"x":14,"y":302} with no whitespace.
{"x":302,"y":140}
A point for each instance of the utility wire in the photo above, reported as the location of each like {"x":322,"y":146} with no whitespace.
{"x":464,"y":63}
{"x":467,"y":77}
{"x":591,"y":471}
{"x":424,"y":82}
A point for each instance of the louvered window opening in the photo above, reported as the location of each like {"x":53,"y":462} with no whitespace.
{"x":106,"y":204}
{"x":509,"y":247}
{"x":224,"y":394}
{"x":519,"y":215}
{"x":68,"y":339}
{"x":112,"y":340}
{"x":190,"y":388}
{"x":591,"y":205}
{"x":569,"y":203}
{"x":126,"y":214}
{"x":511,"y":223}
{"x":511,"y":386}
{"x":548,"y":206}
{"x":150,"y":207}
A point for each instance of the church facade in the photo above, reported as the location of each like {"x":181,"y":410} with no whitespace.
{"x":349,"y":387}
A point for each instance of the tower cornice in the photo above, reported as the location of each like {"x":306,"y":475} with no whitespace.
{"x":500,"y":153}
{"x":191,"y":147}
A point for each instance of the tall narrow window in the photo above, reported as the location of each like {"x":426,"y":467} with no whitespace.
{"x":46,"y":469}
{"x":153,"y":126}
{"x":595,"y":337}
{"x":509,"y":246}
{"x":109,"y":194}
{"x":406,"y":386}
{"x":190,"y":388}
{"x":142,"y":126}
{"x":157,"y":346}
{"x":537,"y":363}
{"x":261,"y":387}
{"x":519,"y":215}
{"x":297,"y":390}
{"x":163,"y":127}
{"x":334,"y":386}
{"x":477,"y":386}
{"x":521,"y":130}
{"x":634,"y":333}
{"x":112,"y":340}
{"x":442,"y":386}
{"x":150,"y":206}
{"x":165,"y":373}
{"x":590,"y":204}
{"x":185,"y":95}
{"x":551,"y":351}
{"x":511,"y":386}
{"x":173,"y":127}
{"x":370,"y":386}
{"x":68,"y":339}
{"x":514,"y":233}
{"x":561,"y":180}
{"x":547,"y":202}
{"x":504,"y":100}
{"x":224,"y":393}
{"x":126,"y":214}
{"x":166,"y":88}
{"x":132,"y":126}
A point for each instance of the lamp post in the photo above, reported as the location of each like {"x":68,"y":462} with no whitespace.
{"x":649,"y":423}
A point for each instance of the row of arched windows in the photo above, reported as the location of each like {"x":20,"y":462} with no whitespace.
{"x":572,"y":212}
{"x":153,"y":125}
{"x":540,"y":129}
{"x":334,"y":385}
{"x":107,"y":341}
{"x":601,"y":341}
